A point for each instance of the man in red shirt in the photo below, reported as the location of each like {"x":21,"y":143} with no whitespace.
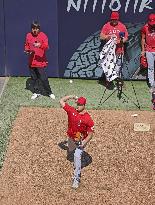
{"x":36,"y":45}
{"x":148,"y":48}
{"x":80,"y":131}
{"x":114,"y":28}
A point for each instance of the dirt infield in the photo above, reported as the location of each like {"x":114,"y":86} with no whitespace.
{"x":122,"y":171}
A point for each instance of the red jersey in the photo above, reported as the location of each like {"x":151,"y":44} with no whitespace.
{"x":108,"y":29}
{"x":149,"y":38}
{"x":38,"y":57}
{"x":78,"y":122}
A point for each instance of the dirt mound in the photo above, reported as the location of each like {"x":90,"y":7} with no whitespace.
{"x":36,"y":171}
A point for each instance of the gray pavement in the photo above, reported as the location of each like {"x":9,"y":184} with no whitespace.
{"x":3,"y":83}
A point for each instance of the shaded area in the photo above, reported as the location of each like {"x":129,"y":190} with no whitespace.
{"x":85,"y":160}
{"x":36,"y":171}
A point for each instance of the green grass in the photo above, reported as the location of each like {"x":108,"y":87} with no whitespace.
{"x":16,"y":96}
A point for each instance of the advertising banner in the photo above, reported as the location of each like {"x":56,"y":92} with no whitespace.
{"x":80,"y":23}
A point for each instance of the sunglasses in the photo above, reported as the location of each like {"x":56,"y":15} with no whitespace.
{"x":78,"y":104}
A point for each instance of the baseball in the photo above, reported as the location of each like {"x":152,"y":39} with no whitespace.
{"x":71,"y":81}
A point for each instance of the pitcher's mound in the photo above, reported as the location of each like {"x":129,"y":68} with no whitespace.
{"x":122,"y":171}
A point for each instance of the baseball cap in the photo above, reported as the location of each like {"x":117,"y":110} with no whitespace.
{"x":151,"y":19}
{"x":114,"y":15}
{"x":81,"y":101}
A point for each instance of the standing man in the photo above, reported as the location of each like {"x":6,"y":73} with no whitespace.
{"x":36,"y":45}
{"x":80,"y":131}
{"x":115,"y":29}
{"x":148,"y":48}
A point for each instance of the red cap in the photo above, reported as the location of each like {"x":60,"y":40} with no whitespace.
{"x":151,"y":19}
{"x":114,"y":15}
{"x":81,"y":101}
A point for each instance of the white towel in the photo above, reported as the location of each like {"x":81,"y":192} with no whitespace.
{"x":108,"y":60}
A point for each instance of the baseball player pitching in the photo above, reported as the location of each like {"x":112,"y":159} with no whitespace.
{"x":80,"y":131}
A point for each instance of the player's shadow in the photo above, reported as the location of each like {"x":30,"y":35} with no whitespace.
{"x":38,"y":86}
{"x":85,"y":160}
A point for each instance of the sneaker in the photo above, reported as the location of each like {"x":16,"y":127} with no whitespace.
{"x":52,"y":96}
{"x":35,"y":95}
{"x":75,"y":184}
{"x":151,"y":90}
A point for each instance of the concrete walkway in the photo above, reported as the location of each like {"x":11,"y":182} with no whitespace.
{"x":3,"y":83}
